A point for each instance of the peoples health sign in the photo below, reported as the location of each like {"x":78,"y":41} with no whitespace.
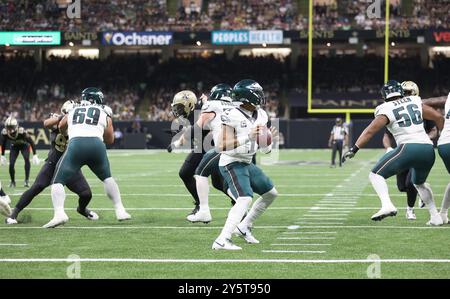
{"x":137,"y":38}
{"x":244,"y":37}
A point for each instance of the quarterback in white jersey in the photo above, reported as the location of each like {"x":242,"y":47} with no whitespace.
{"x":403,"y":117}
{"x":243,"y":128}
{"x":444,"y":152}
{"x":89,"y":125}
{"x":218,"y":102}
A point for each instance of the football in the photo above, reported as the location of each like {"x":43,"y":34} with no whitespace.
{"x":264,"y":137}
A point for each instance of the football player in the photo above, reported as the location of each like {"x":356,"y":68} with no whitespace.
{"x":219,"y":101}
{"x":242,"y":129}
{"x":403,"y":117}
{"x":404,"y":183}
{"x":89,"y":126}
{"x":183,"y":104}
{"x":444,"y":150}
{"x":20,"y":143}
{"x":76,"y":184}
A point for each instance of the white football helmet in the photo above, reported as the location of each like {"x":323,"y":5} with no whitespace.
{"x":67,"y":106}
{"x":410,"y":88}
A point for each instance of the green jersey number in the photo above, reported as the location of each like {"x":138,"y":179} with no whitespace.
{"x":412,"y":115}
{"x":90,"y":117}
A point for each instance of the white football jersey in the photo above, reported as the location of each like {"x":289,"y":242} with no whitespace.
{"x":242,"y":122}
{"x":445,"y":134}
{"x":87,"y":120}
{"x":405,"y":120}
{"x":217,"y":107}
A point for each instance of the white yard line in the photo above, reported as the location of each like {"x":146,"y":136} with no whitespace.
{"x":194,"y":227}
{"x":306,"y":238}
{"x":293,"y":251}
{"x":9,"y":244}
{"x":300,"y":244}
{"x":193,"y":261}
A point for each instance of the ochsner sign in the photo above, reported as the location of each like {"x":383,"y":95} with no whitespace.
{"x":150,"y":38}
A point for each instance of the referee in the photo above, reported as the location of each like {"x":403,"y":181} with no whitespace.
{"x":338,"y":139}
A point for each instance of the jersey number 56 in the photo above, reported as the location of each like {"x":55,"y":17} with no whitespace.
{"x":411,"y":115}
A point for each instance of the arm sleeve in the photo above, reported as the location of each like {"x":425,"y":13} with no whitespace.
{"x":31,"y":142}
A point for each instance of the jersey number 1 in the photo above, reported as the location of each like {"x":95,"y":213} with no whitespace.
{"x":411,"y":115}
{"x":90,"y":117}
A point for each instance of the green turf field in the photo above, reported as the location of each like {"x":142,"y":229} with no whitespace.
{"x":319,"y":227}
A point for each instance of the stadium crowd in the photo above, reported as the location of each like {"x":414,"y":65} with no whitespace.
{"x":198,"y":15}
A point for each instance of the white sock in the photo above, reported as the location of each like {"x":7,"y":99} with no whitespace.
{"x":202,"y":191}
{"x":58,"y":198}
{"x":259,"y":207}
{"x":381,"y":188}
{"x":234,"y":216}
{"x":426,"y":194}
{"x":446,"y":201}
{"x":113,"y":192}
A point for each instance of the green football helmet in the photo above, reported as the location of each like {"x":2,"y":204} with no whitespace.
{"x":249,"y":91}
{"x":220,"y":91}
{"x":93,"y":95}
{"x":392,"y":89}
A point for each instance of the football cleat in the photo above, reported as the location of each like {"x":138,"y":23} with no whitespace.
{"x":26,"y":184}
{"x":201,"y":216}
{"x":410,"y":214}
{"x":224,"y":244}
{"x":57,"y":221}
{"x":383,"y":213}
{"x":88,"y":214}
{"x":6,"y":198}
{"x":5,"y":209}
{"x":246,"y":234}
{"x":12,"y":184}
{"x":444,"y":218}
{"x":11,"y":221}
{"x":195,"y":210}
{"x":435,"y":220}
{"x":122,"y":215}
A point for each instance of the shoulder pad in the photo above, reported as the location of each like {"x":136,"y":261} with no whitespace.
{"x":21,"y":130}
{"x":108,"y":110}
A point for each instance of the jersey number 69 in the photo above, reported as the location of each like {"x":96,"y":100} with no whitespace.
{"x":90,"y":117}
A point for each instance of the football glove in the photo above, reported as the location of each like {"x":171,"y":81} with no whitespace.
{"x":36,"y":160}
{"x":351,"y":153}
{"x":3,"y":160}
{"x":170,"y":148}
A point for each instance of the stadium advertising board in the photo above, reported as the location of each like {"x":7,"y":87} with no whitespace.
{"x":440,"y":36}
{"x":238,"y":37}
{"x":244,"y":37}
{"x":150,"y":38}
{"x":30,"y":38}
